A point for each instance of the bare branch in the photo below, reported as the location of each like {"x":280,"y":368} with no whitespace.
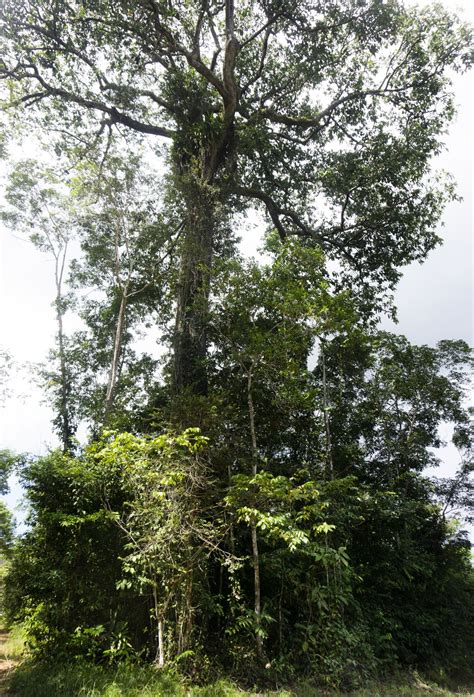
{"x":276,"y":213}
{"x":263,"y":28}
{"x":263,"y":57}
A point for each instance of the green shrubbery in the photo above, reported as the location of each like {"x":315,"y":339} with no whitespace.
{"x":132,"y":556}
{"x":86,"y":680}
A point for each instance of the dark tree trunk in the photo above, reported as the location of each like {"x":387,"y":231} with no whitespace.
{"x":67,"y":428}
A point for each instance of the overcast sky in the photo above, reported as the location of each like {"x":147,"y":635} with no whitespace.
{"x":435,"y":300}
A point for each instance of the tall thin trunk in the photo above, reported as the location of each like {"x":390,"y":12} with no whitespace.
{"x":123,"y":263}
{"x":66,"y":427}
{"x":253,"y":527}
{"x":116,"y":355}
{"x":231,"y":527}
{"x":160,"y":647}
{"x":280,"y":614}
{"x":67,"y":431}
{"x":257,"y":588}
{"x":327,"y":427}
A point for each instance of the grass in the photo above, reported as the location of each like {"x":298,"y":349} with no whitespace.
{"x":29,"y":678}
{"x":13,"y":648}
{"x":84,"y":680}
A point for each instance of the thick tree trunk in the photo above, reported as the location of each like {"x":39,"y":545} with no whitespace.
{"x":191,"y":337}
{"x":197,"y":165}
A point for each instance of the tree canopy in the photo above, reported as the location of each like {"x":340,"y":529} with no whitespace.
{"x":326,"y":114}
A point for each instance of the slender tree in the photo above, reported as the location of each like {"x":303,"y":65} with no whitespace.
{"x":39,"y":208}
{"x":126,"y":251}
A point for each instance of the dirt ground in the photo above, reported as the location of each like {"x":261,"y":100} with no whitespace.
{"x":6,"y":664}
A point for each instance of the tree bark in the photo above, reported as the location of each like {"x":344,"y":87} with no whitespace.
{"x":327,"y":426}
{"x":191,"y":336}
{"x":197,"y":164}
{"x":67,"y":429}
{"x":160,"y":646}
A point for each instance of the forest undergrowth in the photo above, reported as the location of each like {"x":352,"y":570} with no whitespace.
{"x":23,"y":675}
{"x":83,"y":680}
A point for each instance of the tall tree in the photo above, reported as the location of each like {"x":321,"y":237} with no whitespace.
{"x":326,"y":114}
{"x":389,"y":399}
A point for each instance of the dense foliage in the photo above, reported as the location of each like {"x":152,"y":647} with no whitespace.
{"x":254,"y":500}
{"x":144,"y":544}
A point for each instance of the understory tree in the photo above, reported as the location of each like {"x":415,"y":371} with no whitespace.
{"x":120,"y":278}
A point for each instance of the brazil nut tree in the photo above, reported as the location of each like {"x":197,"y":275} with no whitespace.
{"x":323,"y":113}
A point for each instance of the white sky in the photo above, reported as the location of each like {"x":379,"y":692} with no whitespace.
{"x":435,"y":300}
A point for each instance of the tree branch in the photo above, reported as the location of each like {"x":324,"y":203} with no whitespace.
{"x":263,"y":28}
{"x":31,"y":72}
{"x":276,"y":212}
{"x":263,"y":56}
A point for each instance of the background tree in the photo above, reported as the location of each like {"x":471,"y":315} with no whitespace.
{"x":122,"y":278}
{"x":388,"y":400}
{"x":39,"y":208}
{"x":114,"y":223}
